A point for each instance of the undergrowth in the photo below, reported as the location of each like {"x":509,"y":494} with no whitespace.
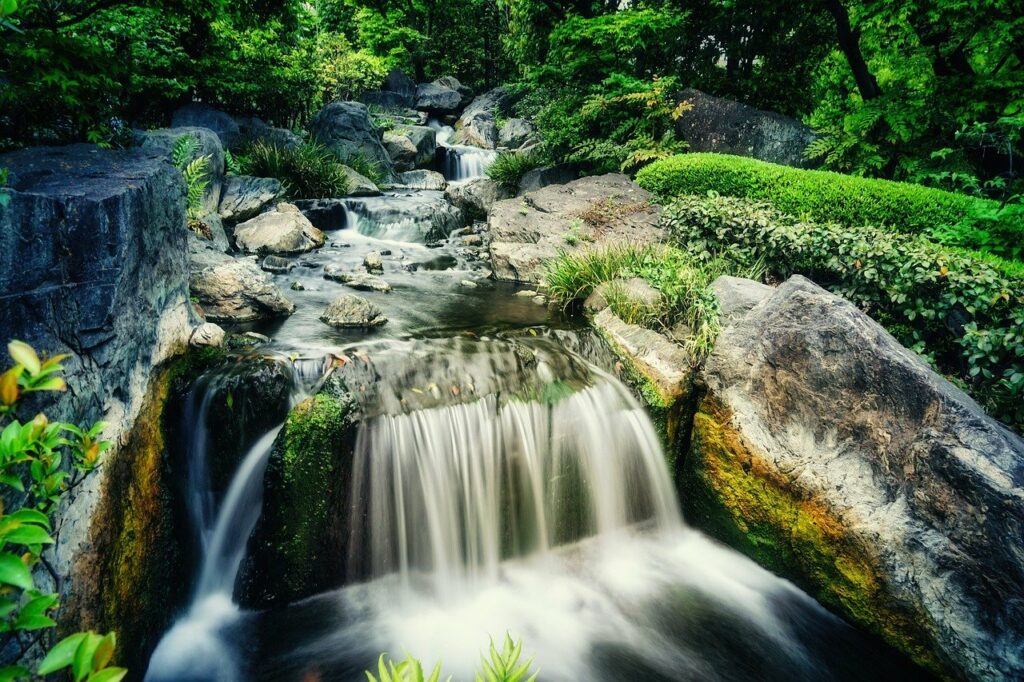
{"x":510,"y":167}
{"x":307,"y":171}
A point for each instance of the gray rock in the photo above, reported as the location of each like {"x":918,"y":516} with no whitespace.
{"x":252,"y":129}
{"x":359,"y":185}
{"x":357,"y":280}
{"x":346,"y":129}
{"x":234,"y":290}
{"x":472,"y":240}
{"x":867,"y":479}
{"x":325,"y":214}
{"x":438,"y":98}
{"x":737,"y":296}
{"x":495,"y":102}
{"x":411,"y":216}
{"x":349,"y":310}
{"x":558,"y":174}
{"x":517,"y":133}
{"x":197,"y":115}
{"x":527,"y":233}
{"x":212,"y":228}
{"x":284,"y":230}
{"x":244,"y":197}
{"x":402,"y":151}
{"x":209,"y":145}
{"x":635,"y":290}
{"x":425,"y":139}
{"x":728,"y":127}
{"x":423,"y":179}
{"x":479,"y":131}
{"x":476,"y":197}
{"x":94,"y":263}
{"x":276,"y":265}
{"x":207,"y":335}
{"x":373,"y":262}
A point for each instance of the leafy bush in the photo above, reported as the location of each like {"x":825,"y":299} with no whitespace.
{"x":307,"y":171}
{"x":963,"y":313}
{"x":32,"y":465}
{"x":684,"y":281}
{"x":501,"y":665}
{"x":851,"y":201}
{"x":510,"y":167}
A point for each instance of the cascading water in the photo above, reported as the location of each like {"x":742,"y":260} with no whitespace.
{"x":461,"y":162}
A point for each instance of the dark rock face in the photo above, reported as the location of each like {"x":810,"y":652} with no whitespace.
{"x":837,"y":458}
{"x":325,"y":214}
{"x":728,"y":127}
{"x":245,"y":197}
{"x":517,"y":133}
{"x":425,"y":140}
{"x":495,"y":102}
{"x":397,"y":91}
{"x":164,"y":139}
{"x":198,"y":115}
{"x":93,"y":262}
{"x":346,"y":129}
{"x":549,"y":175}
{"x":438,"y":99}
{"x":402,"y":151}
{"x":479,"y":131}
{"x":253,"y":129}
{"x":476,"y":197}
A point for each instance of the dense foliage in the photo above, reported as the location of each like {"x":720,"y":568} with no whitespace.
{"x":306,"y":171}
{"x":950,"y":218}
{"x":958,"y":310}
{"x":33,"y":454}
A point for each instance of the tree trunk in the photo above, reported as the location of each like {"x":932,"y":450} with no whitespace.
{"x":849,"y":43}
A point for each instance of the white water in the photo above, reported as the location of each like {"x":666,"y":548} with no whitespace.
{"x":461,"y":162}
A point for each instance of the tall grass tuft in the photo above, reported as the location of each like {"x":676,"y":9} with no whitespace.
{"x":510,"y":167}
{"x":308,"y":171}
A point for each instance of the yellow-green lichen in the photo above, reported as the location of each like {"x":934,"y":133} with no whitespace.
{"x":731,"y":491}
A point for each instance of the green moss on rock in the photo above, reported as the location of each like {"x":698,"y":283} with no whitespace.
{"x":732,"y":493}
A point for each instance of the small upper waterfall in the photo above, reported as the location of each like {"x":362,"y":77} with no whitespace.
{"x":450,"y":492}
{"x":461,"y":162}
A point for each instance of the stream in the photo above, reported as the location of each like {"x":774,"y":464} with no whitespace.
{"x":536,"y":503}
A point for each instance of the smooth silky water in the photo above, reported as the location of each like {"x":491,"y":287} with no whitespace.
{"x":501,"y":482}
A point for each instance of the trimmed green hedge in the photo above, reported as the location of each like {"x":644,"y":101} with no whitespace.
{"x":963,"y":313}
{"x":951,"y":219}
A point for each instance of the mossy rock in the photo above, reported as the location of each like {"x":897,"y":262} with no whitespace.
{"x":298,"y":547}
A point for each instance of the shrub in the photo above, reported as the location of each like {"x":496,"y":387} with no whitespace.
{"x":40,"y":461}
{"x":307,"y":171}
{"x":964,"y":313}
{"x":953,"y":219}
{"x":501,"y":665}
{"x":510,"y":167}
{"x":684,"y":281}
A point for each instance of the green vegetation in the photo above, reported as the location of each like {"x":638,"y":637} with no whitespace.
{"x":31,"y":457}
{"x":195,"y":170}
{"x":965,"y":314}
{"x":684,"y":282}
{"x":510,"y":167}
{"x":307,"y":171}
{"x":954,"y":219}
{"x":501,"y":665}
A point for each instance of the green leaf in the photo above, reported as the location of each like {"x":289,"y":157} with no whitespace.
{"x":109,"y":675}
{"x":13,"y":672}
{"x":13,"y":571}
{"x":104,"y":652}
{"x":81,"y":663}
{"x":28,"y":535}
{"x":61,"y":655}
{"x":33,"y":614}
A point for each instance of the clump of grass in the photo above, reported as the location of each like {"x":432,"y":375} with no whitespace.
{"x":510,"y":167}
{"x":307,"y":171}
{"x":360,"y":164}
{"x":684,"y":283}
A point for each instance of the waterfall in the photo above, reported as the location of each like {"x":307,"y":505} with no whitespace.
{"x":461,"y":162}
{"x":450,"y":492}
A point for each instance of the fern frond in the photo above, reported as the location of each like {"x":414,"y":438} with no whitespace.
{"x":184,"y":149}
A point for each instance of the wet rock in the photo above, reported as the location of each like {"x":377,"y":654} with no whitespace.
{"x":423,"y":179}
{"x":409,"y":216}
{"x":349,"y":310}
{"x":325,"y":214}
{"x":284,"y":230}
{"x":207,"y":144}
{"x":198,"y":115}
{"x":246,"y":341}
{"x":517,"y":133}
{"x":244,"y":197}
{"x":359,"y":185}
{"x":346,"y":129}
{"x":297,"y":286}
{"x":207,"y":335}
{"x":475,"y":197}
{"x":836,"y":458}
{"x":721,"y":125}
{"x":527,"y":233}
{"x":526,"y":293}
{"x":425,"y":139}
{"x":357,"y":280}
{"x":373,"y":262}
{"x":234,"y":290}
{"x":478,"y":131}
{"x":276,"y":265}
{"x":402,"y":151}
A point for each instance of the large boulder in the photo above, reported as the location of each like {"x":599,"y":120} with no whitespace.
{"x":441,"y":97}
{"x":494,"y":103}
{"x":423,"y":179}
{"x":478,"y":131}
{"x":837,"y":458}
{"x":349,"y":310}
{"x":285,"y":230}
{"x":425,"y":140}
{"x":234,"y":289}
{"x":244,"y":197}
{"x":559,"y":174}
{"x":346,"y":129}
{"x":397,"y":91}
{"x":476,"y":197}
{"x":93,"y":263}
{"x":252,"y":129}
{"x":517,"y":133}
{"x":722,"y":125}
{"x":594,"y":212}
{"x":208,"y":144}
{"x":422,"y":216}
{"x":198,"y":115}
{"x":359,"y":185}
{"x":402,"y":151}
